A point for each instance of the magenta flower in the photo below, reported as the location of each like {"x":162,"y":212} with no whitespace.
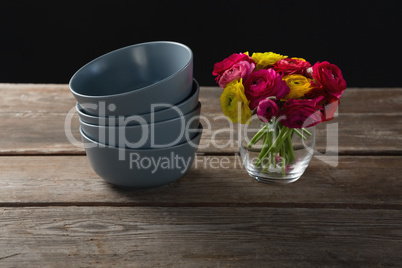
{"x":266,"y":110}
{"x":262,"y":84}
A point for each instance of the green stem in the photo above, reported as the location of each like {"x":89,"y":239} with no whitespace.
{"x":277,"y":145}
{"x":300,"y":134}
{"x":257,"y":136}
{"x":289,"y":147}
{"x":283,"y":166}
{"x":278,"y":141}
{"x":307,"y":132}
{"x":266,"y":143}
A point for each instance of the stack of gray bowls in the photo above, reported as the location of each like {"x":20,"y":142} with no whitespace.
{"x":139,"y":113}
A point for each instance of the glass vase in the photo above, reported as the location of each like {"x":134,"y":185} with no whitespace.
{"x":273,"y":153}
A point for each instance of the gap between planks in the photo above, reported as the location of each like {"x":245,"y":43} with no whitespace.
{"x":356,"y":206}
{"x":348,"y":152}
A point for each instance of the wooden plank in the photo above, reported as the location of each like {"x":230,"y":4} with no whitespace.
{"x":199,"y":237}
{"x":355,"y":182}
{"x":37,"y":133}
{"x":57,"y":98}
{"x":35,"y":98}
{"x":44,"y":133}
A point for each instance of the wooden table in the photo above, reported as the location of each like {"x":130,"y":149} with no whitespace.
{"x":56,"y":212}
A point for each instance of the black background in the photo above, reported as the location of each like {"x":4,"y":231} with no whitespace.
{"x":48,"y":42}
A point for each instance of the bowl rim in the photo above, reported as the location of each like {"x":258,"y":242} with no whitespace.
{"x":136,"y":90}
{"x":81,"y":111}
{"x":102,"y":146}
{"x":195,"y":110}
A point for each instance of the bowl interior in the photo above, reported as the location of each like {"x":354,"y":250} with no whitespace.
{"x":131,"y":68}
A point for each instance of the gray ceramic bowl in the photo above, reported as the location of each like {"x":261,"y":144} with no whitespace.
{"x":183,"y":107}
{"x":141,"y":168}
{"x":128,"y":80}
{"x":157,"y":135}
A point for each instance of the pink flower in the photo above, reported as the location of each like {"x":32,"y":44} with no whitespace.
{"x":262,"y":84}
{"x":266,"y":110}
{"x":291,"y":66}
{"x":329,"y":77}
{"x":301,"y":113}
{"x":238,"y":71}
{"x":236,"y":66}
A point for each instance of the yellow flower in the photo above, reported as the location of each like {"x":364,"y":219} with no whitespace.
{"x":234,"y":102}
{"x":299,"y":86}
{"x":295,"y":58}
{"x":263,"y":60}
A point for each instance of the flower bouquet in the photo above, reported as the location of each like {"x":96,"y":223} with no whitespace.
{"x":288,"y":96}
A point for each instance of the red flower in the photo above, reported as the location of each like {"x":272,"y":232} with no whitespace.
{"x":328,"y":104}
{"x":266,"y":110}
{"x":301,"y":113}
{"x":262,"y":84}
{"x":291,"y":66}
{"x":329,"y":77}
{"x":328,"y":108}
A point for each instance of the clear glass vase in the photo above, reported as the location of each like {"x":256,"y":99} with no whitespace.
{"x":273,"y":153}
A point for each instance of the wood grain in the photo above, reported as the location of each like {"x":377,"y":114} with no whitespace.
{"x":37,"y":133}
{"x":36,"y":98}
{"x":44,"y":133}
{"x":199,"y":237}
{"x":355,"y":182}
